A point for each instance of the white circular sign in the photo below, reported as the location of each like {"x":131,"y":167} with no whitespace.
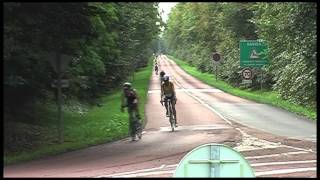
{"x":247,"y":74}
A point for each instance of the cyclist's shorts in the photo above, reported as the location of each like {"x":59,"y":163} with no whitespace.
{"x":169,"y":96}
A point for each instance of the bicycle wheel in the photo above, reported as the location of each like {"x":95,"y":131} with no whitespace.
{"x":171,"y":116}
{"x":139,"y":130}
{"x":174,"y":115}
{"x":136,"y":127}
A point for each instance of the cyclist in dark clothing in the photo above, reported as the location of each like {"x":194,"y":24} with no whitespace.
{"x":130,"y":100}
{"x":156,"y":68}
{"x":162,"y":73}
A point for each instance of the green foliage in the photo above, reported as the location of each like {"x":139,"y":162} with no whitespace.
{"x":290,"y":30}
{"x":108,"y":42}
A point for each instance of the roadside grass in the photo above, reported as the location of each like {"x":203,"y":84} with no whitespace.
{"x":260,"y":96}
{"x":84,"y":125}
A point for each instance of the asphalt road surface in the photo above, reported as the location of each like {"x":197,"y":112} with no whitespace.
{"x":275,"y":142}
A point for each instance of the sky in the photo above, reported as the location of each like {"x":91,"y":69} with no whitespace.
{"x":166,"y":7}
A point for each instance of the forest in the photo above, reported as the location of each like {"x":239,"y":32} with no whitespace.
{"x":195,"y":30}
{"x":107,"y":42}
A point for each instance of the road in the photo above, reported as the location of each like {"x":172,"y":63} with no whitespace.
{"x":205,"y":115}
{"x":261,"y":116}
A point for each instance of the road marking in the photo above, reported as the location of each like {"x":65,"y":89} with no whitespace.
{"x":172,"y":165}
{"x":252,"y":143}
{"x":273,"y":172}
{"x":296,"y":148}
{"x":139,"y":171}
{"x":188,"y":90}
{"x":273,"y":155}
{"x":148,"y":173}
{"x":194,"y":128}
{"x":285,"y":171}
{"x":281,"y":163}
{"x":202,"y":102}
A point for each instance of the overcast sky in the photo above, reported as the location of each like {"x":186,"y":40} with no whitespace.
{"x":166,"y":6}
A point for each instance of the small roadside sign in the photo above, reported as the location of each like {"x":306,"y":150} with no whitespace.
{"x":246,"y":81}
{"x":216,"y":57}
{"x":59,"y":64}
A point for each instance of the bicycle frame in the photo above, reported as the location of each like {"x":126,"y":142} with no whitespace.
{"x":171,"y":112}
{"x":137,"y":126}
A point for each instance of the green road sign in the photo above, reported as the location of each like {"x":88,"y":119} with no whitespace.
{"x":213,"y":160}
{"x":253,"y":53}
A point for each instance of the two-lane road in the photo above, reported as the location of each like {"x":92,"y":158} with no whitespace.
{"x":257,"y":115}
{"x":205,"y":115}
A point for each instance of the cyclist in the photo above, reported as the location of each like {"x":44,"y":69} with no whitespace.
{"x":156,"y":59}
{"x":156,"y":68}
{"x":129,"y":99}
{"x":162,"y":73}
{"x":168,"y":92}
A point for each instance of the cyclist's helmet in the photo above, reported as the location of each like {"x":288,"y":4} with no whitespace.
{"x":166,"y":78}
{"x":162,"y":73}
{"x":126,"y":85}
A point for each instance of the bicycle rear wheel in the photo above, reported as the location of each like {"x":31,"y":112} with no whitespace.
{"x":171,"y":116}
{"x":137,"y":126}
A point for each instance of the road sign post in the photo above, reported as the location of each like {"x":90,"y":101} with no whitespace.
{"x":59,"y":63}
{"x":61,"y":129}
{"x":216,"y":59}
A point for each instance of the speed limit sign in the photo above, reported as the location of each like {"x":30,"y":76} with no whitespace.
{"x":247,"y":74}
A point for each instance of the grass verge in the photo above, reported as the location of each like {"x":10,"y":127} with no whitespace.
{"x":260,"y":96}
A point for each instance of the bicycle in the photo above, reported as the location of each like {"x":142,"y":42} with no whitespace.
{"x":172,"y":114}
{"x":136,"y":124}
{"x":156,"y":70}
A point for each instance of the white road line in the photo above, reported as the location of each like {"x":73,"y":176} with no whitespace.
{"x":148,"y":173}
{"x":253,"y":149}
{"x":172,"y":165}
{"x":189,"y":90}
{"x":300,"y":149}
{"x":285,"y":171}
{"x":140,"y":171}
{"x":195,"y":128}
{"x":202,"y":102}
{"x":273,"y":155}
{"x":133,"y":172}
{"x":281,"y":163}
